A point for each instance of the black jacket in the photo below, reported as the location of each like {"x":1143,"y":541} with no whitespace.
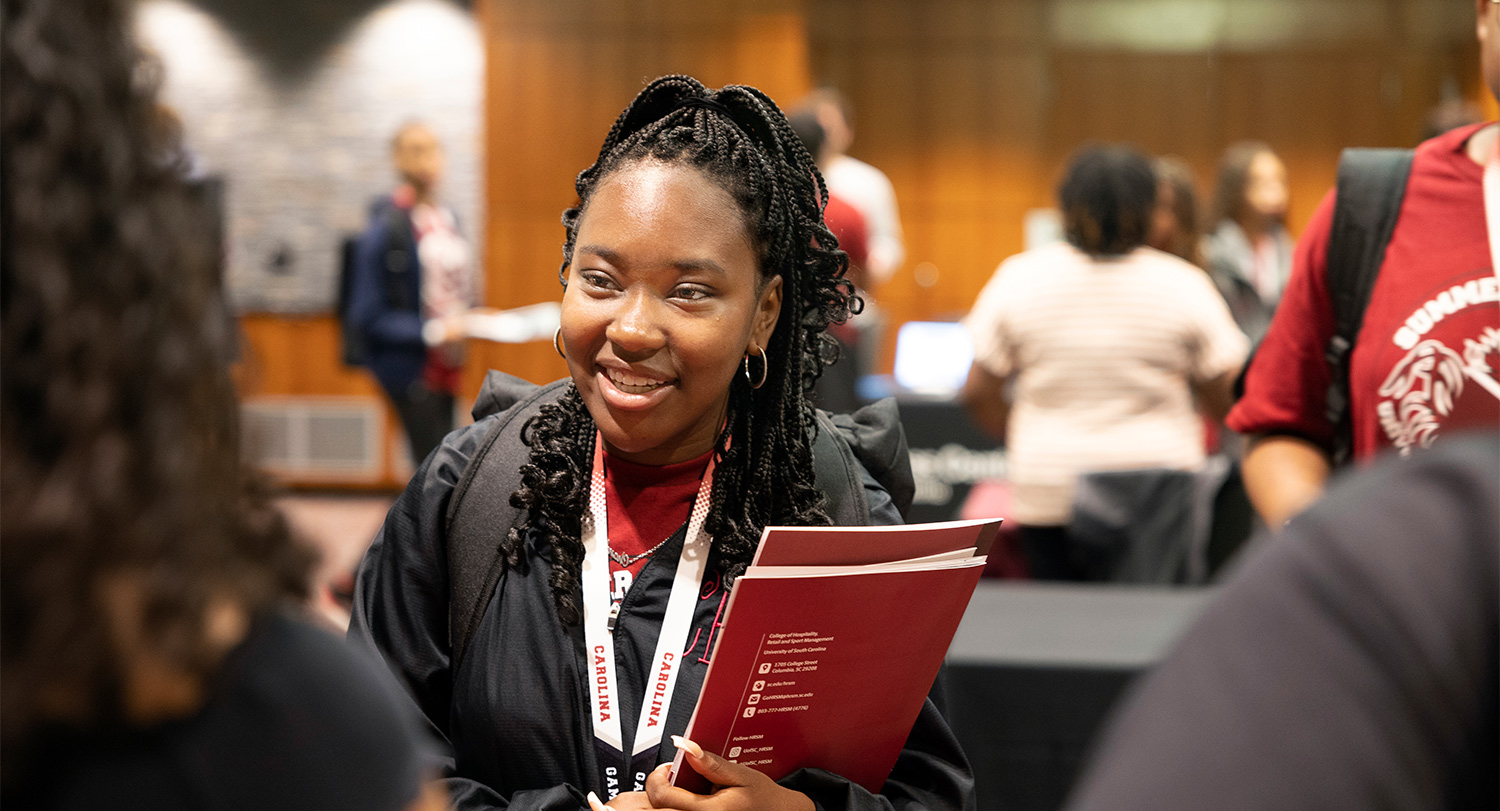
{"x":515,"y":711}
{"x":293,"y":719}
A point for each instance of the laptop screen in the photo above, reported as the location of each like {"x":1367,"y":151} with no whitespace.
{"x":932,"y":357}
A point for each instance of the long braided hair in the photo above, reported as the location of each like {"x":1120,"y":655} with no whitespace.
{"x":764,"y":476}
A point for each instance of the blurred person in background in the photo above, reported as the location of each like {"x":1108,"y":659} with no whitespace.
{"x":154,"y":649}
{"x":1351,"y":663}
{"x":842,"y":218}
{"x":413,"y":281}
{"x":1090,"y":354}
{"x":1249,"y":252}
{"x":870,"y":192}
{"x":1451,"y":114}
{"x":858,"y":183}
{"x":1424,"y":360}
{"x":1174,"y":223}
{"x":1175,"y":229}
{"x":837,"y":390}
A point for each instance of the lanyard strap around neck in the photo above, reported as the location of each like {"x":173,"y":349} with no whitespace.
{"x":1492,"y":203}
{"x":599,"y":637}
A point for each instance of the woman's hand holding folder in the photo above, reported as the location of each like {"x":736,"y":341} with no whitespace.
{"x":736,"y":788}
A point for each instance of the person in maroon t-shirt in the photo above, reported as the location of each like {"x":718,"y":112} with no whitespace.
{"x":838,"y":389}
{"x":1427,"y":359}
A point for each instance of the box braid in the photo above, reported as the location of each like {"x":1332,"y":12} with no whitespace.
{"x":764,"y":476}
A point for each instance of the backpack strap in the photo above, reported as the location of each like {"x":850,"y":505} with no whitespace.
{"x":837,"y":475}
{"x":1371,"y":187}
{"x":477,"y":517}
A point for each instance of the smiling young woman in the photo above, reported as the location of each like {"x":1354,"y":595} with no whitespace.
{"x":664,"y":301}
{"x":698,"y":282}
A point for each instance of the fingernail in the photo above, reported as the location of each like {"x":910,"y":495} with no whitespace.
{"x":594,"y":802}
{"x":685,"y":744}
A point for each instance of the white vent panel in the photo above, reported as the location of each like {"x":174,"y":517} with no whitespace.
{"x":314,"y":436}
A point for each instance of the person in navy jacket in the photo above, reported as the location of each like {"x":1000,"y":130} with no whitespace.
{"x":412,"y":283}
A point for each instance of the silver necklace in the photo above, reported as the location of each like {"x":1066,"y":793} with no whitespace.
{"x":625,"y":561}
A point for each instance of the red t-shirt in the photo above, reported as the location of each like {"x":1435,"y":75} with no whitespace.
{"x":848,"y":226}
{"x":647,"y":504}
{"x":1427,"y":358}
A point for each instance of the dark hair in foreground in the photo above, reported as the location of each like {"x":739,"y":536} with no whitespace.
{"x":1107,"y":196}
{"x":740,"y":139}
{"x":128,"y":522}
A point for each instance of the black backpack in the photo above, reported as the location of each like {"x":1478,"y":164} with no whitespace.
{"x":399,"y":250}
{"x":1371,"y":188}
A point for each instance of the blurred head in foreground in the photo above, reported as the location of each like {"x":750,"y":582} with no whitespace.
{"x":1357,"y":667}
{"x":133,"y":553}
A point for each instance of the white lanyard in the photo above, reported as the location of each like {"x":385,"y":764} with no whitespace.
{"x":598,"y":624}
{"x":1492,"y":203}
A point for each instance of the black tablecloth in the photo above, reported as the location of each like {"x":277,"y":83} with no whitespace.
{"x":1034,"y":670}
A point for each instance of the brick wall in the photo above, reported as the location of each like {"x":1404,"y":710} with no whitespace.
{"x":293,"y":104}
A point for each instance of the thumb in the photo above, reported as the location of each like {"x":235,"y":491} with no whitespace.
{"x":713,"y":768}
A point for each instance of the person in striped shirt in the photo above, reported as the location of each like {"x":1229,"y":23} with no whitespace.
{"x":1096,"y":353}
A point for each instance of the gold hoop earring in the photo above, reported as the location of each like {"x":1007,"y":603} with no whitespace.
{"x":557,"y":344}
{"x":765,"y":369}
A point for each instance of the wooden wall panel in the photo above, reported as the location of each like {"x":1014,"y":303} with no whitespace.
{"x":1309,"y":106}
{"x":289,"y":356}
{"x":560,"y":71}
{"x":1166,"y":104}
{"x":970,"y":106}
{"x":972,"y":109}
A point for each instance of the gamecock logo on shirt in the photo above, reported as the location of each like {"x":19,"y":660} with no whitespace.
{"x":1422,"y":388}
